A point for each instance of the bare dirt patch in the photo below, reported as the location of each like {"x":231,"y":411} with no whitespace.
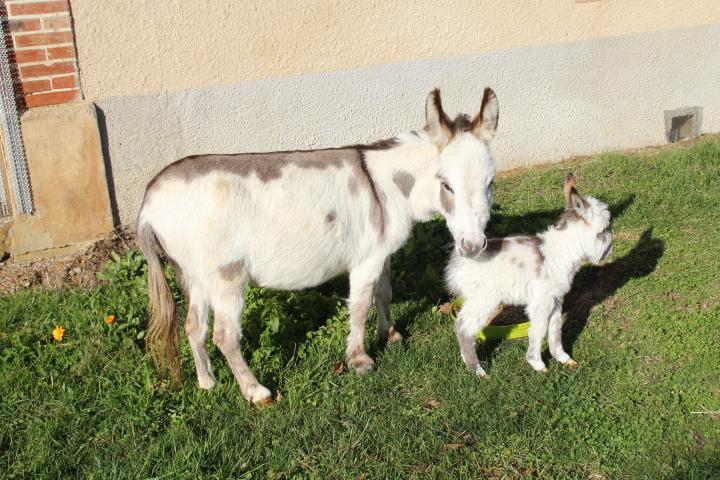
{"x":73,"y":270}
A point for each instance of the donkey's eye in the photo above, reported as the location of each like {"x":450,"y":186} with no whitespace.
{"x":447,"y":187}
{"x":491,"y":184}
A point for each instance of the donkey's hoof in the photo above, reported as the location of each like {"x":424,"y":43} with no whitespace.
{"x":571,"y":363}
{"x":390,"y":337}
{"x":394,"y":336}
{"x":361,"y":363}
{"x":206,"y":383}
{"x":259,"y":395}
{"x":480,"y":372}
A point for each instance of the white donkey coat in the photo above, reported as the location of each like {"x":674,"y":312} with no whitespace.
{"x":291,"y":220}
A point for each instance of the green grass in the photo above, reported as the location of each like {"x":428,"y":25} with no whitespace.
{"x":644,"y":329}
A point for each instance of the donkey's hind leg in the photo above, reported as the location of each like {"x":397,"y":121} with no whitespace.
{"x":228,"y":304}
{"x":196,"y":328}
{"x":386,"y":332}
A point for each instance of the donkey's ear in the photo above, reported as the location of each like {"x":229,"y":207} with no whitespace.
{"x":485,"y":122}
{"x":569,"y":188}
{"x":572,"y":197}
{"x":437,"y":122}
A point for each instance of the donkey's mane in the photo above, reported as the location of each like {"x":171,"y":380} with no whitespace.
{"x":569,"y":215}
{"x":462,"y":123}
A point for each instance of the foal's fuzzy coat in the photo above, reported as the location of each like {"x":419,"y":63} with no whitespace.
{"x":292,"y":220}
{"x":535,"y":271}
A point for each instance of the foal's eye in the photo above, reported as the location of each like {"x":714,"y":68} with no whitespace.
{"x":447,"y":187}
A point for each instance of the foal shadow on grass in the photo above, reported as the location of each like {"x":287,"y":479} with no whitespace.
{"x":594,"y":284}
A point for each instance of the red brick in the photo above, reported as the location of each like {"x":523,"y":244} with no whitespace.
{"x":31,"y":71}
{"x":50,"y":98}
{"x":36,"y":8}
{"x":36,"y":39}
{"x":27,"y":25}
{"x":57,"y":53}
{"x":33,"y":86}
{"x":27,"y":56}
{"x":56,"y":23}
{"x":68,"y":81}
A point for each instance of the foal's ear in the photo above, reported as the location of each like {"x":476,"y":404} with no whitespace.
{"x":437,"y":122}
{"x":485,"y":122}
{"x":572,"y":197}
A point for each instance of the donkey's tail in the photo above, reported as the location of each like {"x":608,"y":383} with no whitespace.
{"x":161,"y":338}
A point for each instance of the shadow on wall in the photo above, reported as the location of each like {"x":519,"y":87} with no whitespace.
{"x":102,"y":127}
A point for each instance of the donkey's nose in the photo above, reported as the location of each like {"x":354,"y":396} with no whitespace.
{"x":483,"y":243}
{"x":468,"y":248}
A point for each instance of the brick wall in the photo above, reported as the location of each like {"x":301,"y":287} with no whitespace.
{"x":44,"y":50}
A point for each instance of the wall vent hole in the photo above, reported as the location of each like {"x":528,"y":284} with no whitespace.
{"x":682,"y":123}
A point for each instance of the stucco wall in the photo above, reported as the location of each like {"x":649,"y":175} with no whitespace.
{"x":131,"y":47}
{"x":185,"y":77}
{"x":555,"y":101}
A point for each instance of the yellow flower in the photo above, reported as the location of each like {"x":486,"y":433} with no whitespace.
{"x":58,"y":333}
{"x":110,"y":319}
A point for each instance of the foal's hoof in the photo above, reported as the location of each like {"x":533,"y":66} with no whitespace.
{"x":259,"y":395}
{"x":361,"y":363}
{"x":571,"y":363}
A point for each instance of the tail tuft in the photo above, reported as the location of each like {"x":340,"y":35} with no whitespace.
{"x":162,"y":340}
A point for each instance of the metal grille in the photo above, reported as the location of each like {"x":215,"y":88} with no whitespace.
{"x":17,"y":163}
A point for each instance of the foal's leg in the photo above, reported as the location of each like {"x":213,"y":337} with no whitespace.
{"x":228,"y":305}
{"x":196,"y":328}
{"x":473,"y":316}
{"x":363,"y":280}
{"x":386,"y":332}
{"x":555,"y":337}
{"x":539,"y":313}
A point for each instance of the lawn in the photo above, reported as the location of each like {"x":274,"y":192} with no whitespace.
{"x":644,"y":328}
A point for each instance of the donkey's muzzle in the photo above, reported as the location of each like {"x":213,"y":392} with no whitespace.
{"x":470,"y":249}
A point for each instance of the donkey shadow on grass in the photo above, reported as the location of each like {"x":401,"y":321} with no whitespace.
{"x":417,"y":279}
{"x":282,"y":320}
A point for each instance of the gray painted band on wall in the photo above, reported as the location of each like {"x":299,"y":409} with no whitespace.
{"x":556,"y":101}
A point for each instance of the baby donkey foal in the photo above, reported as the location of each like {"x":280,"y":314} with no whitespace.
{"x":534,"y":271}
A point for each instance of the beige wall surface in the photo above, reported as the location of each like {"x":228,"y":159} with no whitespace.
{"x":132,"y":47}
{"x":556,"y":101}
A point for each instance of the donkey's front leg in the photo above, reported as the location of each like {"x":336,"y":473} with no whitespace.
{"x":386,"y":332}
{"x":539,"y":311}
{"x":363,"y":280}
{"x":473,"y":316}
{"x":555,"y":337}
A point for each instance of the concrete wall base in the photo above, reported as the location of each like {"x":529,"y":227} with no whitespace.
{"x":69,"y":184}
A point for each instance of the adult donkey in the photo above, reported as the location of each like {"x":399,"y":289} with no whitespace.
{"x":292,"y":220}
